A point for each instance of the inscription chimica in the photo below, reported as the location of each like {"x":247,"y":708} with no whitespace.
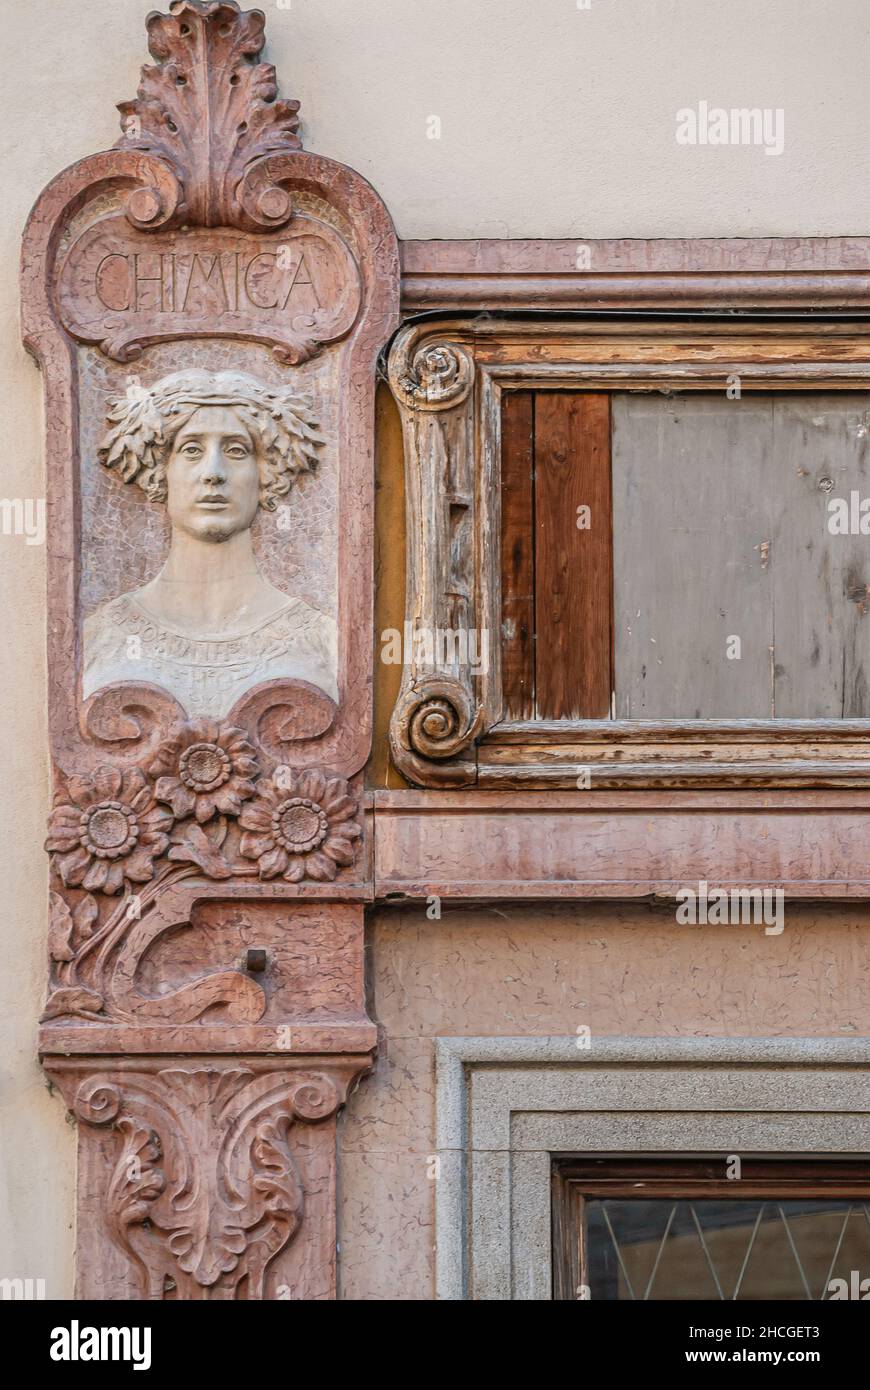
{"x":205,"y":282}
{"x":297,"y":290}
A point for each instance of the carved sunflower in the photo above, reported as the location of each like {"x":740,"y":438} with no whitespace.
{"x":106,"y":828}
{"x":204,"y":767}
{"x":301,"y":823}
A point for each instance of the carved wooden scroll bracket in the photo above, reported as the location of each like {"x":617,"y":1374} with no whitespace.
{"x":438,"y":714}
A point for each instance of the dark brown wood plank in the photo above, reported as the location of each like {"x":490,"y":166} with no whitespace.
{"x":573,"y":566}
{"x":517,"y":556}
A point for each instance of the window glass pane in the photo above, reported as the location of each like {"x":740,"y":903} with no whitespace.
{"x":705,"y":1249}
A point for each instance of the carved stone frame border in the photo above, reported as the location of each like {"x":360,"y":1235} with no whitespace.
{"x":448,"y":378}
{"x":505,"y":1105}
{"x":347,"y":744}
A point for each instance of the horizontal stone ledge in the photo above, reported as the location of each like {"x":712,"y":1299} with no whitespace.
{"x":300,"y":1039}
{"x":485,"y":845}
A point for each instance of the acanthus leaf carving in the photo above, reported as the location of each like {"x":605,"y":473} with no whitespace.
{"x":210,"y":110}
{"x":204,"y":1190}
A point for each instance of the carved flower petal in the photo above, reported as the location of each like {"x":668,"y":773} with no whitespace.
{"x":226,"y":799}
{"x":133,"y":784}
{"x":71,"y":867}
{"x":154,"y":842}
{"x":62,"y":822}
{"x":256,"y":816}
{"x":319,"y":866}
{"x":341,"y":809}
{"x":336,"y":791}
{"x":96,"y":875}
{"x":63,"y":841}
{"x":312,"y":784}
{"x":295,"y":870}
{"x":183,"y":802}
{"x":107,"y":782}
{"x":82,"y":791}
{"x":245,"y":765}
{"x":182,"y":799}
{"x":166,"y":758}
{"x":115,"y":877}
{"x":342,"y":851}
{"x":273,"y":863}
{"x":204,"y":808}
{"x":158,"y":818}
{"x":252,"y":846}
{"x":137,"y":866}
{"x":236,"y":743}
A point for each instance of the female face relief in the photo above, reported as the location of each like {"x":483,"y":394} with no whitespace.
{"x":212,"y":475}
{"x":214,"y":447}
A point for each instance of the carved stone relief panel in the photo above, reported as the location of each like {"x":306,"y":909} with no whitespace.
{"x":207,"y":303}
{"x":201,"y":605}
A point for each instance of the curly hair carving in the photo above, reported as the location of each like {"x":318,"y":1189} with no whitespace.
{"x":143,"y":424}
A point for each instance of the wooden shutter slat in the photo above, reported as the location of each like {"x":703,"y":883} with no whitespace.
{"x":573,"y":567}
{"x":517,"y":556}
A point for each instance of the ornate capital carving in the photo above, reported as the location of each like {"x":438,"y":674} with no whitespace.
{"x":209,"y":110}
{"x":203,"y":1181}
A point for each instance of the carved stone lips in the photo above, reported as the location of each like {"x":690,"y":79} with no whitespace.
{"x":213,"y":499}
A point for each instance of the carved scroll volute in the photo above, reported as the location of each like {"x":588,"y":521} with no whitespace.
{"x":438,"y":714}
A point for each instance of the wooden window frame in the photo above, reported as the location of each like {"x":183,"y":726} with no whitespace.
{"x":685,"y":1178}
{"x":450,"y":379}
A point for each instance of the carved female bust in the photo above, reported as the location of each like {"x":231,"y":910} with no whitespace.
{"x":213,"y":446}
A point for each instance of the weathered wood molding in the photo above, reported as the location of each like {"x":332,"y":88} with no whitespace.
{"x":205,"y":1011}
{"x":669,"y":275}
{"x":438,"y":713}
{"x":449,"y":438}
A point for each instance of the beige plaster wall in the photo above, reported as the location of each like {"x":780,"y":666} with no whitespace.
{"x":512,"y":971}
{"x":555,"y":121}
